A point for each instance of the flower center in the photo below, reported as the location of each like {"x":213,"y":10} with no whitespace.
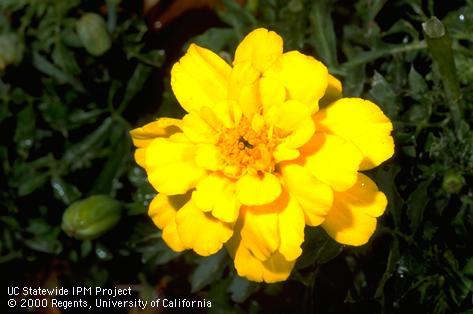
{"x":246,"y":151}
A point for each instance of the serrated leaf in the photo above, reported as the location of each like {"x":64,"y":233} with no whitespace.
{"x":384,"y":96}
{"x":417,"y":85}
{"x":323,"y":33}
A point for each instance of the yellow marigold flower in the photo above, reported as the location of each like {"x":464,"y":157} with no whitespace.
{"x":254,"y":159}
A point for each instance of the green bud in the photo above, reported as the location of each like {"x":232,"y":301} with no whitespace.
{"x":453,"y":182}
{"x":11,"y":50}
{"x":91,"y":217}
{"x":93,"y":33}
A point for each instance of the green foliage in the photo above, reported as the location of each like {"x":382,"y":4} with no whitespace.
{"x":66,"y":110}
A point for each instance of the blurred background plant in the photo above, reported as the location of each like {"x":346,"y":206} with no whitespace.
{"x":76,"y":76}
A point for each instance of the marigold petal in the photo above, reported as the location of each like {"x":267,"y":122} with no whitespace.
{"x":197,"y":130}
{"x":274,"y":269}
{"x":243,"y":88}
{"x":352,"y":218}
{"x":260,"y":47}
{"x":162,"y":211}
{"x":333,"y":93}
{"x":209,"y":157}
{"x":291,"y":227}
{"x":171,"y":166}
{"x":293,"y":118}
{"x":140,"y":157}
{"x":200,"y":78}
{"x":314,"y":197}
{"x":271,"y":92}
{"x":304,"y":78}
{"x":163,"y":127}
{"x":200,"y":231}
{"x":363,"y":123}
{"x":332,"y":160}
{"x":258,"y":190}
{"x":278,"y":226}
{"x":142,"y":136}
{"x":216,"y":193}
{"x":259,"y":231}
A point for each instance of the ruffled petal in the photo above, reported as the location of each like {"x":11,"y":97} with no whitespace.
{"x":200,"y":231}
{"x":274,"y":269}
{"x":162,"y":211}
{"x":278,"y":226}
{"x":314,"y":197}
{"x":197,"y":130}
{"x":291,"y":227}
{"x":260,"y":48}
{"x":352,"y":219}
{"x":216,"y":194}
{"x":243,"y":88}
{"x":209,"y":157}
{"x":258,"y":190}
{"x":200,"y":78}
{"x":171,"y":166}
{"x":259,"y":231}
{"x":143,"y":136}
{"x":271,"y":92}
{"x":332,"y":160}
{"x":293,"y":120}
{"x":304,"y":78}
{"x":363,"y":123}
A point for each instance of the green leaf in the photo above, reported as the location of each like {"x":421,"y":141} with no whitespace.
{"x":85,"y":248}
{"x":107,"y":181}
{"x":385,"y":179}
{"x":209,"y":269}
{"x":240,"y":289}
{"x":44,"y":237}
{"x":63,"y":191}
{"x":80,"y":117}
{"x":236,"y":16}
{"x":78,"y":154}
{"x":25,"y":130}
{"x":468,"y":269}
{"x":323,"y":34}
{"x":135,"y":84}
{"x":217,"y":39}
{"x":29,"y":176}
{"x":54,"y":113}
{"x":43,"y":65}
{"x":417,"y":85}
{"x":318,"y":248}
{"x":384,"y":96}
{"x":64,"y":59}
{"x":416,"y":204}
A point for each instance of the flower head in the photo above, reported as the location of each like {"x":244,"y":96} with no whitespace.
{"x":254,"y":160}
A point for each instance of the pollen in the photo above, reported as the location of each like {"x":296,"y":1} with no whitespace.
{"x":246,"y":150}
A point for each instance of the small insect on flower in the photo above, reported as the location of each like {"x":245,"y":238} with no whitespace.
{"x":254,"y":160}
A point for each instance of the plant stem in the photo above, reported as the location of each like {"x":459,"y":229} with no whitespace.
{"x":440,"y":46}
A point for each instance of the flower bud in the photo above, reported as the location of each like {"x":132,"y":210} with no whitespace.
{"x":453,"y":182}
{"x":91,"y":217}
{"x":11,"y":50}
{"x":93,"y":33}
